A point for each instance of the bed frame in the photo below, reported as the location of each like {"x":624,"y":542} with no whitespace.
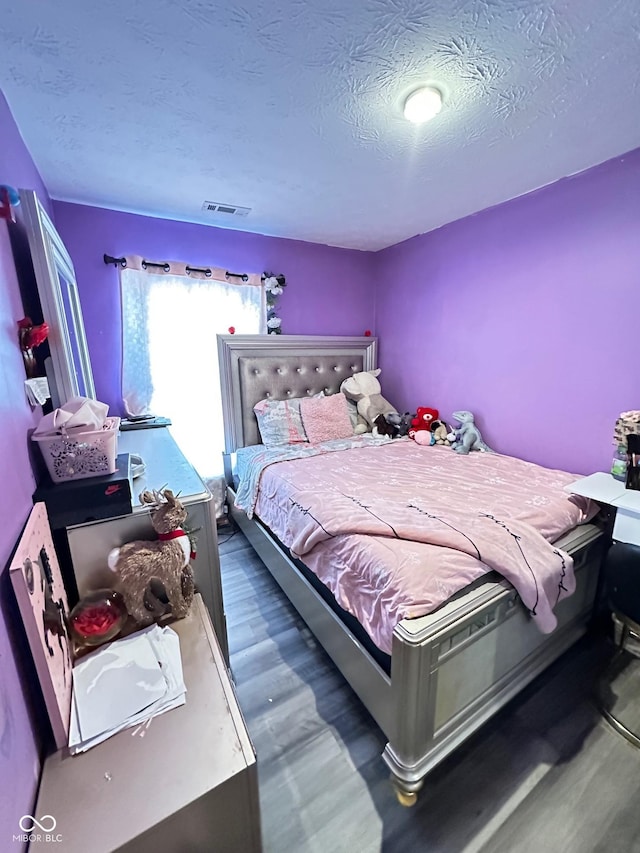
{"x":450,"y":670}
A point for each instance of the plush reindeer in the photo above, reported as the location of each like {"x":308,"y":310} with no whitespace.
{"x":156,"y":575}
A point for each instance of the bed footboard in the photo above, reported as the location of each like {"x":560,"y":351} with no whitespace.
{"x":452,"y":670}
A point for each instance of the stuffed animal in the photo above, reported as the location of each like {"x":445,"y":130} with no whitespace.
{"x":381,"y":426}
{"x":420,"y":430}
{"x":467,"y":436}
{"x":394,"y":424}
{"x":155,"y":575}
{"x":364,"y":389}
{"x":402,"y":422}
{"x":440,"y":433}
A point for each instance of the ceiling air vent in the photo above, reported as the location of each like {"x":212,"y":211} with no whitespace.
{"x":225,"y":209}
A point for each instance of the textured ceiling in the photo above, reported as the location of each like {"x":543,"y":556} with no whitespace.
{"x":293,"y":107}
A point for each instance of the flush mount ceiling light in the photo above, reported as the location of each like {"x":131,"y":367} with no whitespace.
{"x":423,"y":104}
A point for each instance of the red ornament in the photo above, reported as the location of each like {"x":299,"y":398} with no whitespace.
{"x":232,"y":330}
{"x":36,"y":335}
{"x":95,"y":620}
{"x":367,"y":333}
{"x":31,"y":336}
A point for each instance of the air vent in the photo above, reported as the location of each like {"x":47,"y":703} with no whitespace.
{"x":225,"y":209}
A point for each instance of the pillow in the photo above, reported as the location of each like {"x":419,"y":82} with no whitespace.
{"x":279,"y":421}
{"x":326,"y":418}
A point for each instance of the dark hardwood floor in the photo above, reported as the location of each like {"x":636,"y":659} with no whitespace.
{"x":547,"y":774}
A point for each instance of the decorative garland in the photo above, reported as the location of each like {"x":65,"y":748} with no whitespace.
{"x":273,"y":285}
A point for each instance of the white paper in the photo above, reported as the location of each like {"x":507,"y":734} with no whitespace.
{"x":626,"y":527}
{"x":125,"y":684}
{"x":629,"y":499}
{"x":599,"y":487}
{"x":37,"y":390}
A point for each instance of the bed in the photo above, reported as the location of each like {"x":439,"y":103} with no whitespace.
{"x":448,"y":671}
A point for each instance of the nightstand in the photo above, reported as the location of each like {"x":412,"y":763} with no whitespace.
{"x":166,"y":466}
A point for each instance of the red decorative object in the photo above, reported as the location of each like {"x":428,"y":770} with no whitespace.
{"x":367,"y":333}
{"x":36,"y":335}
{"x":30,"y":336}
{"x":98,"y":618}
{"x":232,"y":330}
{"x":6,"y":211}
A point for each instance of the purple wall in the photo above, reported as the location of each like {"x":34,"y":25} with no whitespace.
{"x":519,"y":313}
{"x":19,"y":745}
{"x":329,"y":290}
{"x":524,"y":314}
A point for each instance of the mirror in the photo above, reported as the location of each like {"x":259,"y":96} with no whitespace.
{"x":69,"y":371}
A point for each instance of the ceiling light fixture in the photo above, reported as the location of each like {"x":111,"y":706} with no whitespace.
{"x":423,"y":104}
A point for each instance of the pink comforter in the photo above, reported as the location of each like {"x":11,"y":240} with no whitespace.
{"x":395,"y":530}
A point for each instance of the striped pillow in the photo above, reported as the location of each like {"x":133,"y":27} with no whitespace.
{"x":280,"y":422}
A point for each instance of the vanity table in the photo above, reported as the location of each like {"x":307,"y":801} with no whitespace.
{"x":166,"y":467}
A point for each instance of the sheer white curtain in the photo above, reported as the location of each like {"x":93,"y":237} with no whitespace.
{"x":170,"y":356}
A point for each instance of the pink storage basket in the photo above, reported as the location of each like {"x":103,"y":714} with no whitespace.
{"x":73,"y":456}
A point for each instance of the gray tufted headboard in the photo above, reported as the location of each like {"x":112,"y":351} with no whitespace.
{"x":254,"y":367}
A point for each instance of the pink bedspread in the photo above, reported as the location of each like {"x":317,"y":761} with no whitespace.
{"x":394,"y":530}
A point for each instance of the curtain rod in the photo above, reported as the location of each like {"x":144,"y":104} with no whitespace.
{"x":164,"y":265}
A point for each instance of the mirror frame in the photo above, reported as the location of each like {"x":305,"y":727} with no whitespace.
{"x":51,"y":264}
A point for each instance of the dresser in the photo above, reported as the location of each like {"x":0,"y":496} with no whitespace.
{"x":166,"y":467}
{"x":187,"y":783}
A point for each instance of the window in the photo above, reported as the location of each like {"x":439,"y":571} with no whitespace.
{"x":170,"y":357}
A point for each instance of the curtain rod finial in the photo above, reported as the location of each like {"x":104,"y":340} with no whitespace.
{"x":109,"y":259}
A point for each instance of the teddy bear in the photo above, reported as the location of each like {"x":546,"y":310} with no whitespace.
{"x":364,"y":389}
{"x":420,"y":430}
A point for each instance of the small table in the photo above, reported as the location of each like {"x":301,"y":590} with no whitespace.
{"x":605,"y":489}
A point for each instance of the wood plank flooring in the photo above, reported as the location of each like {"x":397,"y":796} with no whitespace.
{"x":546,"y":775}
